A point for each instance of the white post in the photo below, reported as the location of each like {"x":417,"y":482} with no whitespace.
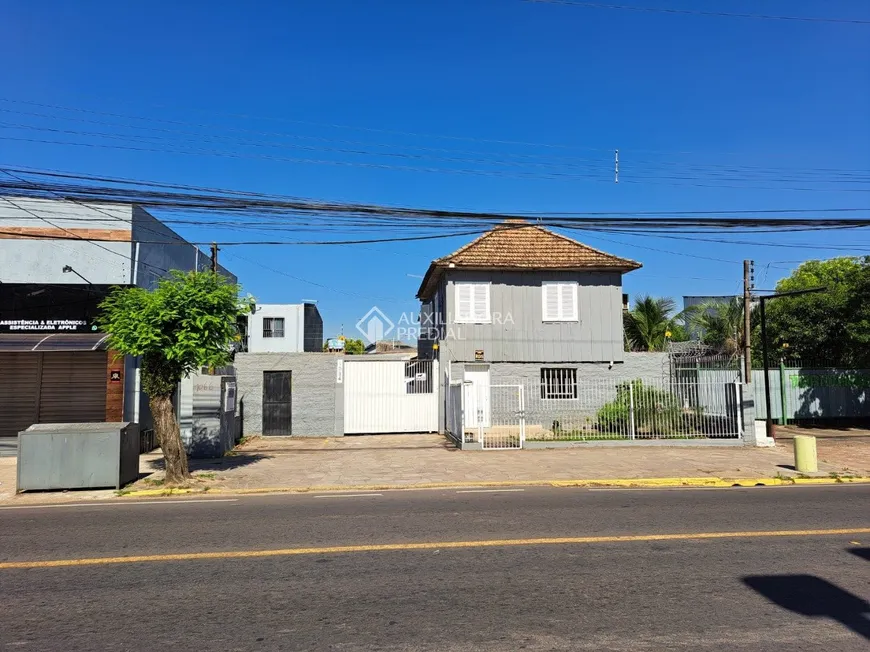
{"x":522,"y":416}
{"x":631,"y":427}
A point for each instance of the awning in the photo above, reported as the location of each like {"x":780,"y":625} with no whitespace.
{"x":18,"y":342}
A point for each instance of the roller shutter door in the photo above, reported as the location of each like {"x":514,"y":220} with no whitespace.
{"x":19,"y":392}
{"x":73,"y":387}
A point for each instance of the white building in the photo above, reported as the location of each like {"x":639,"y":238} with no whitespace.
{"x":284,"y":328}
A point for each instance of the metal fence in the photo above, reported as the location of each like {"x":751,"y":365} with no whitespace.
{"x":509,"y":414}
{"x":813,"y":393}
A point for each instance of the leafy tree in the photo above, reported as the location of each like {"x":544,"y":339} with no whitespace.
{"x":720,"y":324}
{"x":354,"y":347}
{"x":831,"y":326}
{"x":652,"y":323}
{"x":187,"y":322}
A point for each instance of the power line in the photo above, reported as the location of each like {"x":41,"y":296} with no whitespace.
{"x":699,"y":12}
{"x":76,"y":188}
{"x":598,"y":164}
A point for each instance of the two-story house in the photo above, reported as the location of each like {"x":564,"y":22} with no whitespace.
{"x":522,"y":302}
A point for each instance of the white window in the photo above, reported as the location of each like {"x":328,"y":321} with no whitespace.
{"x":559,"y":301}
{"x":558,"y":382}
{"x":273,"y":327}
{"x":472,"y":303}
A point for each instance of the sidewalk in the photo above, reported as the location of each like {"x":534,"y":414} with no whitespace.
{"x":395,"y":461}
{"x":409,"y":460}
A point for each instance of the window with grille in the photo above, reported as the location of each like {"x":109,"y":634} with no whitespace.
{"x":273,"y":327}
{"x":558,"y":383}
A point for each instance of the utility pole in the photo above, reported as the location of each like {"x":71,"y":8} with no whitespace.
{"x":214,"y":252}
{"x":747,"y":308}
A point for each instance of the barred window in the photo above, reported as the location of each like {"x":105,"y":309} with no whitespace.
{"x":558,"y":382}
{"x":273,"y":327}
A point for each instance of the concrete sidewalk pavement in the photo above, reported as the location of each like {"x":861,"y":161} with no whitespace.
{"x":396,"y":461}
{"x":414,"y":460}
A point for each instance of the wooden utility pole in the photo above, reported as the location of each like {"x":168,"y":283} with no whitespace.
{"x":214,"y":252}
{"x":747,"y":308}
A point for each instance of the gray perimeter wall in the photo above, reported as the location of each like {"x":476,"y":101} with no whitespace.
{"x":317,"y":400}
{"x":636,"y":365}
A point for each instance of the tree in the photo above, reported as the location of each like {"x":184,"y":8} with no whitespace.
{"x":187,"y":322}
{"x":354,"y":347}
{"x":651,"y":324}
{"x":831,"y":326}
{"x":720,"y":324}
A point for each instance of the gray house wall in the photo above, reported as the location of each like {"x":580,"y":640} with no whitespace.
{"x":635,"y":365}
{"x":519,"y":334}
{"x":317,"y":400}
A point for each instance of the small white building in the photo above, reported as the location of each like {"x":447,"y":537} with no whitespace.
{"x":284,"y":328}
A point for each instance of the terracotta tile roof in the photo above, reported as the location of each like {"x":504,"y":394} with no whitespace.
{"x":518,"y":245}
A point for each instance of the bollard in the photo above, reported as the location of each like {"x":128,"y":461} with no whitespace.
{"x":805,"y":458}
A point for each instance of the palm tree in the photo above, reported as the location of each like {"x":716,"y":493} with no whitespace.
{"x":651,"y":323}
{"x":719,"y":323}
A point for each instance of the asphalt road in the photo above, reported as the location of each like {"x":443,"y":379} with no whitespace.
{"x":644,"y":591}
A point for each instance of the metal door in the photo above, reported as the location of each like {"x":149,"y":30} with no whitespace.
{"x":277,"y":403}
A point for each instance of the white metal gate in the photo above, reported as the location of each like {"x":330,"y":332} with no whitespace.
{"x":495,"y":415}
{"x":390,"y":396}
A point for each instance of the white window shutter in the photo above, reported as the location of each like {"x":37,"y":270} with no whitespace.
{"x":481,"y":302}
{"x":550,"y":301}
{"x":568,"y":301}
{"x":559,"y":301}
{"x":464,"y":302}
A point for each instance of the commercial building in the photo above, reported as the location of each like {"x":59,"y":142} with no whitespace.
{"x":58,"y":261}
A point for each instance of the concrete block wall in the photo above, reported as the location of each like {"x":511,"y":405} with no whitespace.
{"x":636,"y":365}
{"x":317,"y":399}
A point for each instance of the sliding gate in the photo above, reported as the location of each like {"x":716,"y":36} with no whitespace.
{"x":390,"y":396}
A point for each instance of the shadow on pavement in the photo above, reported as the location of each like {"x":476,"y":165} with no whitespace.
{"x":863,"y":553}
{"x":812,"y":596}
{"x":225,"y":463}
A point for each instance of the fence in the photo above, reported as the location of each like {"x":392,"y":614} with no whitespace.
{"x":640,"y":409}
{"x":813,"y":393}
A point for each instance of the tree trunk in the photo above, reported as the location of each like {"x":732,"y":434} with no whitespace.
{"x":169,"y":437}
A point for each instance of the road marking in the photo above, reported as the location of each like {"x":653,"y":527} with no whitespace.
{"x":428,"y":545}
{"x":127,"y":503}
{"x":347,"y":495}
{"x":487,"y":491}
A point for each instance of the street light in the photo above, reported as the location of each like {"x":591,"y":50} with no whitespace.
{"x":763,"y":301}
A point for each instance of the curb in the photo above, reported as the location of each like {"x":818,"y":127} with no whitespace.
{"x":651,"y":483}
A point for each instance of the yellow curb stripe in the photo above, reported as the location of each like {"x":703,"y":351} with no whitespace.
{"x":429,"y":545}
{"x":708,"y":481}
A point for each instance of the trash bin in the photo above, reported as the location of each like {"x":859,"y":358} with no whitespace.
{"x":77,"y":456}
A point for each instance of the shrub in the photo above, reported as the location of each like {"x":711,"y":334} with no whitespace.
{"x":656,"y":411}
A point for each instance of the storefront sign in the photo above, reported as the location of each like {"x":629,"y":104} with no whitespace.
{"x":478,"y":354}
{"x":44,"y":325}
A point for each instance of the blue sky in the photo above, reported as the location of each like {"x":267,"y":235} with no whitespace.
{"x":503,"y":105}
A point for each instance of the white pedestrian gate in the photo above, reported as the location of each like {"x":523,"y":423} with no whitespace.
{"x":390,"y":396}
{"x":495,"y":414}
